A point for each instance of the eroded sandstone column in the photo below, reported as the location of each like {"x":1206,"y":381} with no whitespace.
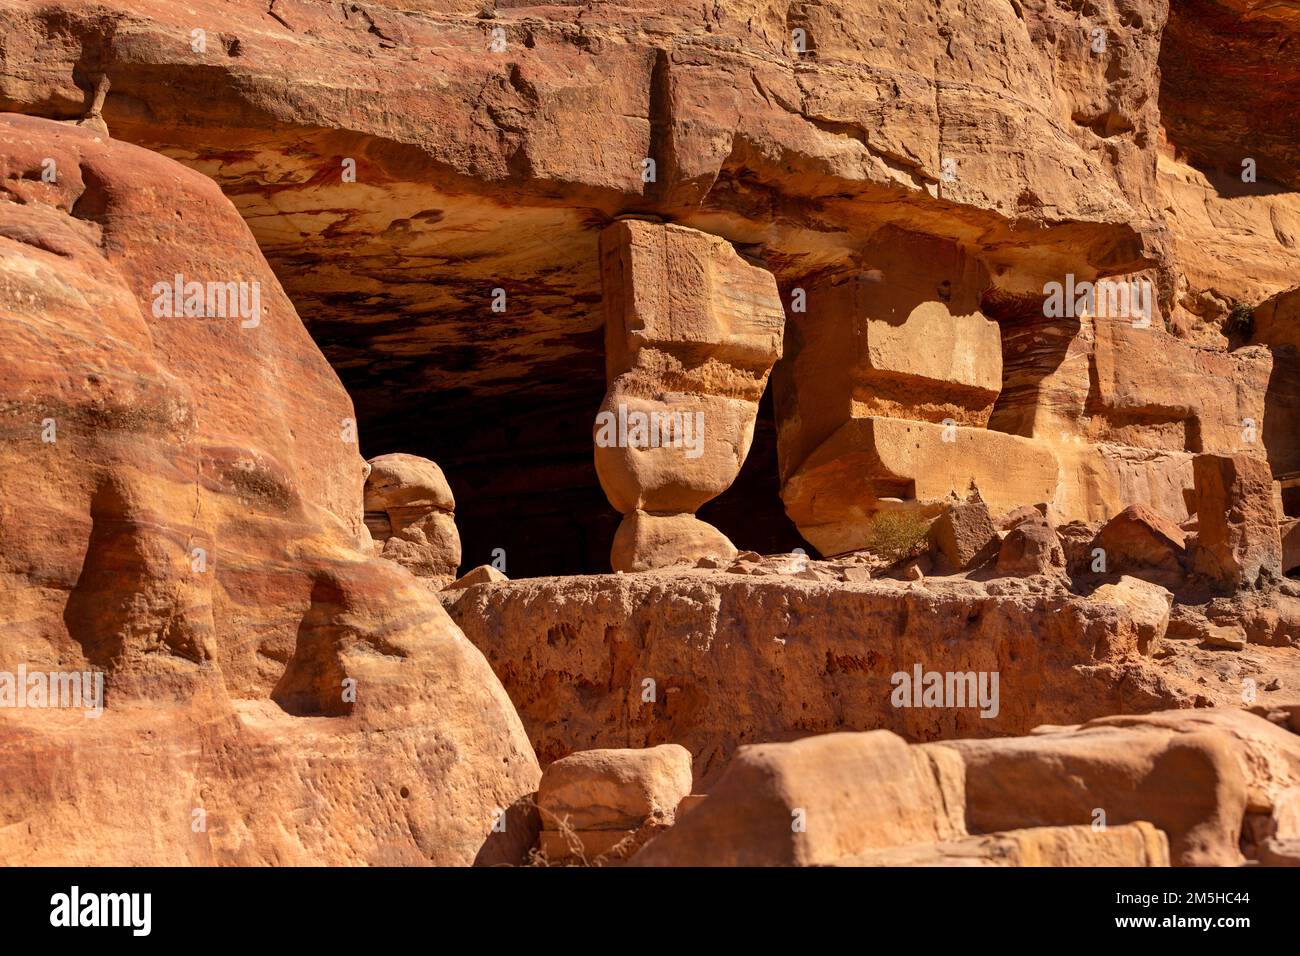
{"x":691,"y":333}
{"x":885,"y":392}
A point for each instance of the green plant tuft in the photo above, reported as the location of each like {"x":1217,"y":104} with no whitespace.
{"x":1240,"y":321}
{"x":896,"y":533}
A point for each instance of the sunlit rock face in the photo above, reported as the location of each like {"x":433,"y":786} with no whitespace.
{"x":489,"y":161}
{"x":183,"y":519}
{"x":879,"y":246}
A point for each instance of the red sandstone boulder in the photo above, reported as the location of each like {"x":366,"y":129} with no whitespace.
{"x":1031,"y":546}
{"x":869,"y":799}
{"x":1017,"y":515}
{"x":615,"y":789}
{"x":599,"y":806}
{"x":1238,"y":543}
{"x":483,"y":574}
{"x":1147,"y":603}
{"x":1191,"y":787}
{"x":816,"y":801}
{"x":963,"y":533}
{"x":410,"y":513}
{"x":1139,"y":540}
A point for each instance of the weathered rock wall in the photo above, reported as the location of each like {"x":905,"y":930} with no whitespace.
{"x":1003,"y":134}
{"x":182,"y":515}
{"x":737,"y":660}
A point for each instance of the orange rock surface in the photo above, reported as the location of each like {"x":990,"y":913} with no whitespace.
{"x":190,"y":528}
{"x":883,"y":417}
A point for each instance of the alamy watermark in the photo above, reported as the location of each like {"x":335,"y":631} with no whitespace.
{"x":208,"y":300}
{"x":954,"y":689}
{"x":75,"y":908}
{"x":68,"y":690}
{"x":1105,"y":298}
{"x":637,"y":429}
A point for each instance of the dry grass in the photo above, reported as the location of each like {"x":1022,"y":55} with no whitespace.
{"x":897,"y":533}
{"x":618,"y":853}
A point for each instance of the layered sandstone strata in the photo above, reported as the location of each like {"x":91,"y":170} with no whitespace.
{"x":191,"y":530}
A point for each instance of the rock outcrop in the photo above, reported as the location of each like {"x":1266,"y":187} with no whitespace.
{"x":713,"y":659}
{"x":913,"y":200}
{"x":191,"y":532}
{"x":691,"y":333}
{"x":1238,"y":544}
{"x":1171,"y":787}
{"x":411,"y":516}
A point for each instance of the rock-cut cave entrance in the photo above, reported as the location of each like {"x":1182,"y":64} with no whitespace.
{"x":504,"y":401}
{"x":524,"y":479}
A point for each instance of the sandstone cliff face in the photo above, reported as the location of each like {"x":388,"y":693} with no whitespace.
{"x":851,"y":238}
{"x":409,"y":167}
{"x":183,"y":515}
{"x":992,"y":134}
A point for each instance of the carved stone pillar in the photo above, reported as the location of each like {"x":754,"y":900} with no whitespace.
{"x":691,"y":333}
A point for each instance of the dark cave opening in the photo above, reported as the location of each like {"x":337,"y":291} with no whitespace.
{"x":521,"y":466}
{"x":1281,"y":415}
{"x":750,"y":512}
